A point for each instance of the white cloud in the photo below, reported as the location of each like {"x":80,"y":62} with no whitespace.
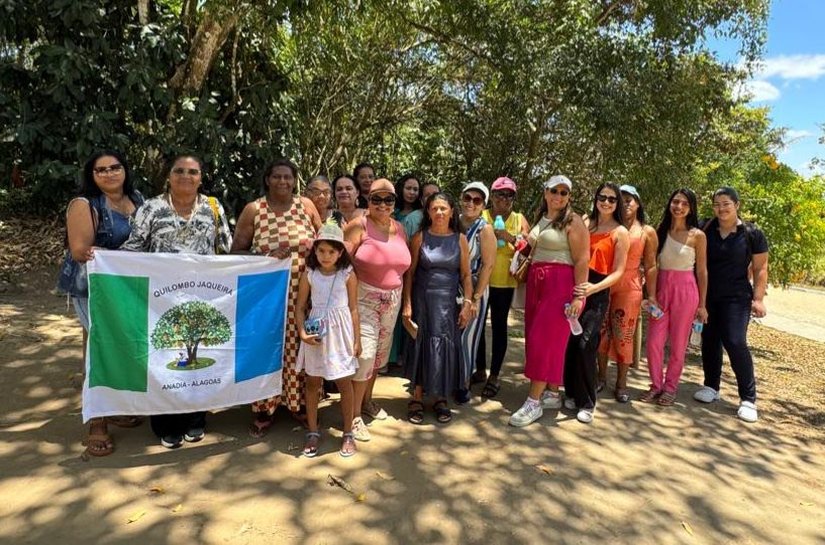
{"x":792,"y":67}
{"x":794,"y":134}
{"x":757,"y":91}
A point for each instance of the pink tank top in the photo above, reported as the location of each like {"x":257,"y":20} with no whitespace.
{"x":382,"y":260}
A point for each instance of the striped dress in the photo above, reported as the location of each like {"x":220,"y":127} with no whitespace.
{"x":471,"y":335}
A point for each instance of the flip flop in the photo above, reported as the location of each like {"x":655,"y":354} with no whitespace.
{"x":261,"y":424}
{"x":622,"y":395}
{"x":348,"y":447}
{"x":99,"y":444}
{"x":311,"y":440}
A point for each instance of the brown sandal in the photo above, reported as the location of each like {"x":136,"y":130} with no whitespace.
{"x":667,"y":399}
{"x":650,"y":396}
{"x":125,"y":421}
{"x":263,"y":421}
{"x":99,"y":442}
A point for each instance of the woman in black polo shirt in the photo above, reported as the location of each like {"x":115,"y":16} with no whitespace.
{"x":733,"y":246}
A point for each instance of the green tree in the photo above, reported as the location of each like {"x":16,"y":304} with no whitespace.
{"x":191,"y":324}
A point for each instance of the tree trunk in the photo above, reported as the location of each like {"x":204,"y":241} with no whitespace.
{"x":191,"y":354}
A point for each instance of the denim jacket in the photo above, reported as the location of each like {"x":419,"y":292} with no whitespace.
{"x":112,"y":231}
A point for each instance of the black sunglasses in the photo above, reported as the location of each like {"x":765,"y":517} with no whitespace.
{"x":478,"y":201}
{"x":508,"y":195}
{"x":607,"y":198}
{"x":389,"y":200}
{"x":554,"y":191}
{"x":117,"y":167}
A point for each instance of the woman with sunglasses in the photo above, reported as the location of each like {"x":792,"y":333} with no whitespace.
{"x":378,"y":246}
{"x":559,"y":255}
{"x":482,"y":254}
{"x":733,"y":246}
{"x":185,"y":221}
{"x":608,"y":256}
{"x":680,"y":287}
{"x":99,"y":217}
{"x":281,"y":225}
{"x":502,"y":284}
{"x":440,"y":266}
{"x":347,"y":197}
{"x":619,"y":328}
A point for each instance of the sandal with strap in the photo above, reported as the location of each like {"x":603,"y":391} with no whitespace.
{"x":491,"y":388}
{"x":263,"y":421}
{"x":125,"y":421}
{"x":415,"y":412}
{"x":98,"y":442}
{"x":311,"y":440}
{"x":650,"y":396}
{"x":667,"y":399}
{"x":443,"y":414}
{"x":348,"y":447}
{"x":622,"y":395}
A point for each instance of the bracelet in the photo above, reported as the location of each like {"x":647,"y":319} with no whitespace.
{"x":467,"y":301}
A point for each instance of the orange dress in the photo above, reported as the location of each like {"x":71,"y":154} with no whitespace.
{"x":625,"y":304}
{"x":272,"y":230}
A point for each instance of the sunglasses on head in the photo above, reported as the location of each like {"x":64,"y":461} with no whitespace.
{"x":180,"y":171}
{"x":607,"y":198}
{"x":508,"y":195}
{"x":478,"y":201}
{"x":389,"y":200}
{"x":106,"y":170}
{"x":557,"y":191}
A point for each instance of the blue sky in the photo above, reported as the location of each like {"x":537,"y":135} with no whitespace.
{"x":791,"y":80}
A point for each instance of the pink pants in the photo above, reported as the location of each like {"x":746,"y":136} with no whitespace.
{"x":546,"y":330}
{"x":678,"y":296}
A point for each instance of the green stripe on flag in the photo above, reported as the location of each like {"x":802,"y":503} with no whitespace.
{"x":118,"y":338}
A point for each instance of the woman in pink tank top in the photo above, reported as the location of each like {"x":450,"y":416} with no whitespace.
{"x":381,"y":257}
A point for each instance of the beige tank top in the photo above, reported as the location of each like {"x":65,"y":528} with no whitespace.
{"x":549,"y":245}
{"x":676,"y":256}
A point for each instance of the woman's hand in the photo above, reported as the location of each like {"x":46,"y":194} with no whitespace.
{"x":356,"y":348}
{"x":282,"y":252}
{"x":90,"y":254}
{"x":585,"y":289}
{"x":502,"y":234}
{"x":758,"y":309}
{"x":702,"y":315}
{"x":574,"y":309}
{"x":312,"y":340}
{"x":406,"y":312}
{"x":466,"y":314}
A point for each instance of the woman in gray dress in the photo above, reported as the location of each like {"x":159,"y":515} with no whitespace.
{"x":440,"y":260}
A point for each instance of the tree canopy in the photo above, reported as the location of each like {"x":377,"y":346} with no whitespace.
{"x":191,"y":325}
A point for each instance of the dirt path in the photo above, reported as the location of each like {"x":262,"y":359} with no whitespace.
{"x":638,"y":474}
{"x":800,"y":311}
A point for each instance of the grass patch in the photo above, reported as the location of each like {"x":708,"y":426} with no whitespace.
{"x":200,"y":363}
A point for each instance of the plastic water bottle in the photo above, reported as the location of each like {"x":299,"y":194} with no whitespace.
{"x":654,"y":311}
{"x":575,"y":326}
{"x":696,"y":334}
{"x":498,"y":225}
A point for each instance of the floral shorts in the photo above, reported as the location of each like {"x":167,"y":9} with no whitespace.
{"x":378,"y":311}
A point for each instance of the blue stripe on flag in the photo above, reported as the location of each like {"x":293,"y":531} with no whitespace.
{"x":260,"y":319}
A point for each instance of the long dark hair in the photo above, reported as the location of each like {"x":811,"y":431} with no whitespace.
{"x":88,"y":187}
{"x":426,"y":222}
{"x":640,"y":212}
{"x":692,"y":219}
{"x":399,"y":190}
{"x":358,"y":169}
{"x":344,"y":260}
{"x":617,"y":212}
{"x":562,"y":220}
{"x":282,"y":162}
{"x":354,"y":183}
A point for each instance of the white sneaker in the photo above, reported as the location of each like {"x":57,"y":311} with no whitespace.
{"x":359,"y":430}
{"x":569,"y":403}
{"x":706,"y":394}
{"x":747,"y":411}
{"x":585,"y":416}
{"x":550,"y":400}
{"x":527,"y":414}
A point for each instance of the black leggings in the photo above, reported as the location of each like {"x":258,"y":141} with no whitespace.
{"x":728,"y":327}
{"x":580,"y":367}
{"x":176,"y":424}
{"x":499,"y":308}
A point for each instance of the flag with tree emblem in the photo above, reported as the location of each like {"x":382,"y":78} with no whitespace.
{"x":175,"y":333}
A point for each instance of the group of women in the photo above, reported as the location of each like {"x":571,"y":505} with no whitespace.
{"x":428,"y":271}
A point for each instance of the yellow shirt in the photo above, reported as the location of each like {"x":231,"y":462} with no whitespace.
{"x":504,"y":254}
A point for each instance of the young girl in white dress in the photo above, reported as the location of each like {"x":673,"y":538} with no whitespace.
{"x":331,"y":348}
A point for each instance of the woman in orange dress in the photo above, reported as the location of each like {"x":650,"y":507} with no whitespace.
{"x":619,"y":327}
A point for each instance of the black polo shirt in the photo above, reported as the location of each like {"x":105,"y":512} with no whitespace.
{"x":728,"y":262}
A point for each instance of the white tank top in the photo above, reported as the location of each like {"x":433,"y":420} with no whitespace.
{"x":676,"y":256}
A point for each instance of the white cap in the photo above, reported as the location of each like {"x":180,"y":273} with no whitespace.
{"x":480,"y":187}
{"x":558,"y":180}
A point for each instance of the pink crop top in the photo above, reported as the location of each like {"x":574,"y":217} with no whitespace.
{"x":381,"y":261}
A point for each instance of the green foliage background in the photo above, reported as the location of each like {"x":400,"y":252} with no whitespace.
{"x":459,"y":90}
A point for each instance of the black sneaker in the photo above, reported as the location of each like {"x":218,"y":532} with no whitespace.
{"x":171,"y":441}
{"x":194,"y":435}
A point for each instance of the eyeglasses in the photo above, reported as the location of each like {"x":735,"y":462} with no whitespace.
{"x":111,"y":169}
{"x":467,"y":198}
{"x":316,"y":191}
{"x":607,"y":198}
{"x":180,"y":171}
{"x":389,"y":200}
{"x":554,"y":191}
{"x":506,"y":195}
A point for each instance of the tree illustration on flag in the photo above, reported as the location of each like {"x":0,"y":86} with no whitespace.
{"x":191,"y":324}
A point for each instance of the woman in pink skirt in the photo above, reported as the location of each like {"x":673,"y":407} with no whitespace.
{"x":560,"y":251}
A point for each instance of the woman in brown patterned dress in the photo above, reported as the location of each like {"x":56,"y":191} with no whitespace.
{"x":280,"y":224}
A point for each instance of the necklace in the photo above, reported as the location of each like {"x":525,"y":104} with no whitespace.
{"x":187,"y":214}
{"x":122,"y":205}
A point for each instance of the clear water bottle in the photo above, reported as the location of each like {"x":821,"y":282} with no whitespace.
{"x":498,"y":225}
{"x":654,"y":311}
{"x":575,"y":326}
{"x":696,"y":334}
